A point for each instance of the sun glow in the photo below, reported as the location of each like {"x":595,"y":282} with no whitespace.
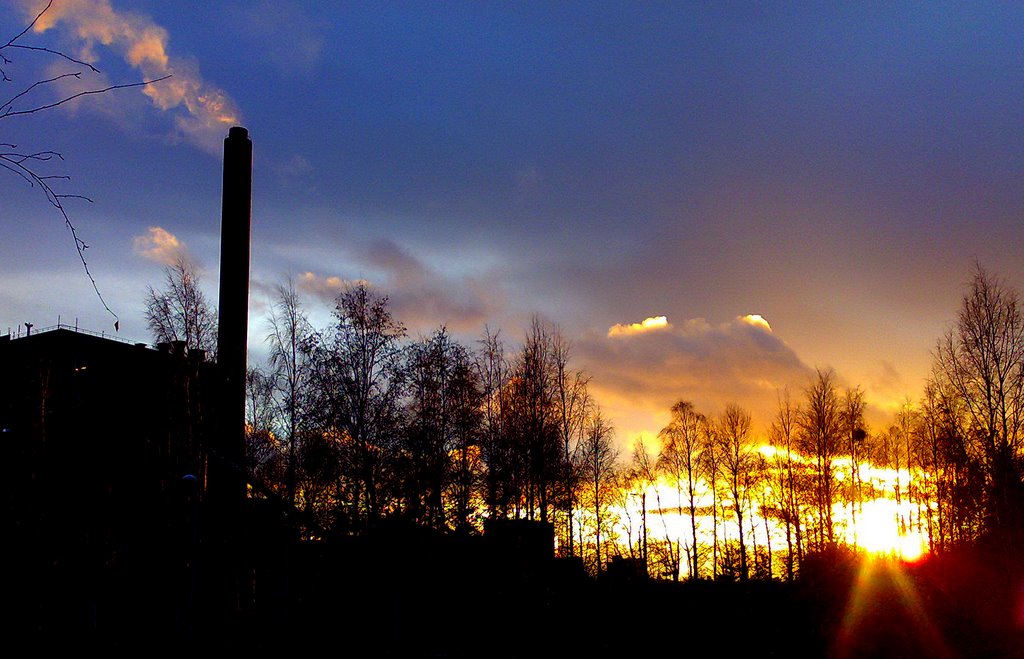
{"x":878,"y":523}
{"x":880,"y":527}
{"x":757,"y":320}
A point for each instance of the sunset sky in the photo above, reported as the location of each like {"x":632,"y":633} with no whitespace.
{"x":789,"y":189}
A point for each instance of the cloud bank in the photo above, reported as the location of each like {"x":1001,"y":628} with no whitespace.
{"x":420,"y":297}
{"x":641,"y":369}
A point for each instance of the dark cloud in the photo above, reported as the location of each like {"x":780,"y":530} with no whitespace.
{"x":420,"y":298}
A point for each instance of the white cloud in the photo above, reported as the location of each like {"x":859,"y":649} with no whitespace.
{"x":159,"y":245}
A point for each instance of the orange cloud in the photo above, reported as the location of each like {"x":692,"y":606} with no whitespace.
{"x":203,"y":111}
{"x":159,"y":245}
{"x":646,"y":325}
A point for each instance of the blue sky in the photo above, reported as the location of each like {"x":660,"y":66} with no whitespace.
{"x":835,"y":168}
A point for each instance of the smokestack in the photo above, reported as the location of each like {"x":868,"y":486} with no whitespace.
{"x":232,"y":326}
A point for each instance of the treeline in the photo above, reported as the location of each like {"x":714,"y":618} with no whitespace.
{"x":356,"y":425}
{"x":734,"y":492}
{"x":951,"y":464}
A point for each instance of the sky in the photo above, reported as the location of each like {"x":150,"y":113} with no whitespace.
{"x":790,"y":187}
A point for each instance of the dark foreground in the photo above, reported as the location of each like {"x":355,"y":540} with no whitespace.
{"x":415,"y":595}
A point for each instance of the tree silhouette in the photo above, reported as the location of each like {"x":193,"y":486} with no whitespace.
{"x":493,"y":374}
{"x":289,"y":337}
{"x":979,"y":367}
{"x":356,"y":379}
{"x":573,"y":401}
{"x":442,"y":423}
{"x":736,"y":459}
{"x":646,"y":476}
{"x":598,"y":456}
{"x":533,"y":420}
{"x":820,"y":437}
{"x":180,"y":311}
{"x":853,"y":406}
{"x":264,"y":458}
{"x":782,"y":435}
{"x":682,"y":442}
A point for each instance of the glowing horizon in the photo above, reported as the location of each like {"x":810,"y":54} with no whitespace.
{"x":879,"y":526}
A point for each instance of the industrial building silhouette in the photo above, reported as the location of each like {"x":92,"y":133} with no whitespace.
{"x":128,"y":515}
{"x":115,"y":536}
{"x":106,"y":456}
{"x":124,"y":502}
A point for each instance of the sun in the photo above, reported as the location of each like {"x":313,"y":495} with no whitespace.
{"x":876,"y":530}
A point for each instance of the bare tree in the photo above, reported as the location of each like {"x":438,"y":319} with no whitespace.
{"x":820,"y":436}
{"x":624,"y":494}
{"x":853,"y":407}
{"x":679,"y":459}
{"x":981,"y":363}
{"x":963,"y":499}
{"x":262,"y":448}
{"x":759,"y":488}
{"x":493,"y":374}
{"x":290,"y":332}
{"x":532,"y":421}
{"x":647,"y":477}
{"x":782,"y":434}
{"x":356,"y":376}
{"x":737,"y":465}
{"x":180,"y":312}
{"x":711,"y":468}
{"x":898,"y":452}
{"x":572,"y":400}
{"x":443,"y":417}
{"x":598,"y":458}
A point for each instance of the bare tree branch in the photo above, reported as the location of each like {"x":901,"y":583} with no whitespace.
{"x":22,"y":163}
{"x":16,"y":163}
{"x":29,"y":26}
{"x":51,"y":51}
{"x":40,"y":108}
{"x":6,"y":106}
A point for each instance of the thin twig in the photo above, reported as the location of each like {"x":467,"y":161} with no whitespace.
{"x":41,"y":49}
{"x":85,"y":93}
{"x":8,"y":103}
{"x":28,"y":27}
{"x":56,"y":201}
